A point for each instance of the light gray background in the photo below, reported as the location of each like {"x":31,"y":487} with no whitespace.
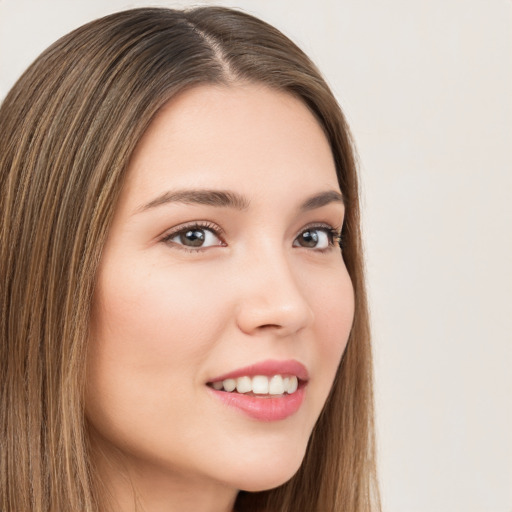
{"x":426,"y":86}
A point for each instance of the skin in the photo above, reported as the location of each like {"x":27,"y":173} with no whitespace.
{"x":168,"y":318}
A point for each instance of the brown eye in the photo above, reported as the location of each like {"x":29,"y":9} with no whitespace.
{"x":308,"y":239}
{"x":317,"y":238}
{"x":195,"y":237}
{"x":192,"y":237}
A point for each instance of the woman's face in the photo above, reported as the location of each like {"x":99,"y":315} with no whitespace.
{"x":221,"y":268}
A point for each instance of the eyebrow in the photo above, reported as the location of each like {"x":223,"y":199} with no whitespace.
{"x":218,"y":198}
{"x":229,"y":199}
{"x":321,"y":199}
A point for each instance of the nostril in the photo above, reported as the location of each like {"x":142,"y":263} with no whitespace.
{"x":269,"y":326}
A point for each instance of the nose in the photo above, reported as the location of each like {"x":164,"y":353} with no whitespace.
{"x":272,"y":299}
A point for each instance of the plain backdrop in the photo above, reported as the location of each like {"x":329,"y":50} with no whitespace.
{"x":427,"y":89}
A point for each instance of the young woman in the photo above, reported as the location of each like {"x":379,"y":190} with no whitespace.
{"x":184,"y":322}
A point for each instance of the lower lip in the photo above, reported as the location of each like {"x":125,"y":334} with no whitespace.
{"x":265,"y":408}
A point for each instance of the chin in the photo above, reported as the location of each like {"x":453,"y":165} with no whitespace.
{"x":262,"y":475}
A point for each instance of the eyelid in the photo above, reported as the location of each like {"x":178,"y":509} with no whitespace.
{"x":335,"y":233}
{"x":206,"y":225}
{"x":320,"y":225}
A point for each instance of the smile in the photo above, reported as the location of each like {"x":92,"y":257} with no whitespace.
{"x":266,"y":391}
{"x":259,"y":385}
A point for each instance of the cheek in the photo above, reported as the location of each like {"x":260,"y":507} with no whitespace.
{"x":148,"y":337}
{"x":141,"y":317}
{"x":333,"y":322}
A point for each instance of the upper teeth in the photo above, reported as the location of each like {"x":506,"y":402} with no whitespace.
{"x":259,"y":385}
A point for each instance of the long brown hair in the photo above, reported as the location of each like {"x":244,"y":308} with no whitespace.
{"x":67,"y":131}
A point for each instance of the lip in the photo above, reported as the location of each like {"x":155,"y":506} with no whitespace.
{"x":265,"y":408}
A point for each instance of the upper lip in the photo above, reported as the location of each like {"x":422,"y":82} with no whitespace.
{"x":268,"y":368}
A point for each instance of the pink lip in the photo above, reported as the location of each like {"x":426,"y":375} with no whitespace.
{"x":268,"y":368}
{"x":265,"y":408}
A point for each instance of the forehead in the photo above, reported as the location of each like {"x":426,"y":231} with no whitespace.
{"x":236,"y":136}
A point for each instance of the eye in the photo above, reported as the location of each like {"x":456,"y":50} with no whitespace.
{"x":320,"y":238}
{"x":195,"y":236}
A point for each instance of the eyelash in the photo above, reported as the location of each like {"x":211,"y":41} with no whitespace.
{"x":335,"y":235}
{"x":218,"y":232}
